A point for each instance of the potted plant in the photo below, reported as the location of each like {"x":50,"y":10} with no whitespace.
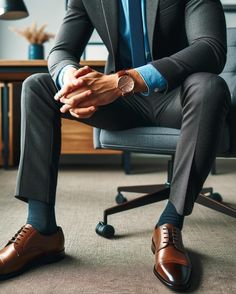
{"x":36,"y":37}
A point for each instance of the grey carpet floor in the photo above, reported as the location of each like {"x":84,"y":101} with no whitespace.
{"x":124,"y":264}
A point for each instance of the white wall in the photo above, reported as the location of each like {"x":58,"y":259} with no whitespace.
{"x":230,"y":19}
{"x":51,"y":12}
{"x":42,"y":11}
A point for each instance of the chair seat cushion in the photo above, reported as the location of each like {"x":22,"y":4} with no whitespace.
{"x":146,"y":140}
{"x":153,"y":140}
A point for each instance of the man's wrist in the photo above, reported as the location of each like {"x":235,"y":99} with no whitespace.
{"x":139,"y":83}
{"x":60,"y":77}
{"x":67,"y":73}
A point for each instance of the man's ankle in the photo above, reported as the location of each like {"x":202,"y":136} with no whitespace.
{"x":41,"y":216}
{"x":171,"y":216}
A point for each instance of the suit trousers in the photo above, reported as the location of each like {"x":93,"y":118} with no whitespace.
{"x":198,"y":107}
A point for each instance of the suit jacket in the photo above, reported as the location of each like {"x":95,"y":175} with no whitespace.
{"x":185,"y":36}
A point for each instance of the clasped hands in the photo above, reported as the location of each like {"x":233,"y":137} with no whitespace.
{"x":84,"y":90}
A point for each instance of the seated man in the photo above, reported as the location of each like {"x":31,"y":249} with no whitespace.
{"x":164,"y":57}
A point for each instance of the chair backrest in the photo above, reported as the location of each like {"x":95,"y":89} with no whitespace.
{"x":229,"y":75}
{"x":229,"y":72}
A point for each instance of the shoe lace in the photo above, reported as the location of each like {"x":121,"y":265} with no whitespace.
{"x":171,"y":236}
{"x":19,"y":235}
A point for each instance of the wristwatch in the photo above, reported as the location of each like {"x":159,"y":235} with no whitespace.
{"x":125,"y":83}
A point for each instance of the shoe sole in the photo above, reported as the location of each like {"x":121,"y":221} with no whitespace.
{"x":182,"y":287}
{"x":37,"y":262}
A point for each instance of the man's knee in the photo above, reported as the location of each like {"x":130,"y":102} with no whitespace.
{"x":35,"y":88}
{"x":37,"y":81}
{"x":207,"y":87}
{"x":37,"y":78}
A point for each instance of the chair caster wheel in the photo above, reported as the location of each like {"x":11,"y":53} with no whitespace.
{"x":106,"y":231}
{"x":216,"y":197}
{"x":120,"y":198}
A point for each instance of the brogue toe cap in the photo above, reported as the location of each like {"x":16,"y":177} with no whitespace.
{"x":174,"y":273}
{"x":1,"y":266}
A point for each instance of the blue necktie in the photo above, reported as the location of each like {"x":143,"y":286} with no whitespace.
{"x":136,"y":33}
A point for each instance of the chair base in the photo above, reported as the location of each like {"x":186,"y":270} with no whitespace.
{"x":156,"y":193}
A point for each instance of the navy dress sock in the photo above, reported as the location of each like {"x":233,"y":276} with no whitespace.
{"x":171,"y":216}
{"x":41,"y":216}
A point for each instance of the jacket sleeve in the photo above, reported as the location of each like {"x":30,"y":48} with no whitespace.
{"x":71,"y":39}
{"x":206,"y":34}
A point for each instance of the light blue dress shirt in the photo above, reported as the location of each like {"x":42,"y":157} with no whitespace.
{"x":151,"y":76}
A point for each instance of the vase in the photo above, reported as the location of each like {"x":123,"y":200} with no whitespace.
{"x":36,"y":51}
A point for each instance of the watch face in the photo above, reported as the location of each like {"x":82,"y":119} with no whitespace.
{"x":126,"y":84}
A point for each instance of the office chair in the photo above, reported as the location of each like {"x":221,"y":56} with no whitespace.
{"x":158,"y":140}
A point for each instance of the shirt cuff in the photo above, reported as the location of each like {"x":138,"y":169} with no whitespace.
{"x":153,"y":79}
{"x":59,"y":79}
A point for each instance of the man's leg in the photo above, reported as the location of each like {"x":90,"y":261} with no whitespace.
{"x":199,"y":108}
{"x":41,"y":134}
{"x":200,"y":111}
{"x":37,"y":175}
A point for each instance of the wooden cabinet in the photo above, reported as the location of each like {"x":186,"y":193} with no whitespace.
{"x":1,"y":124}
{"x":14,"y":122}
{"x":14,"y":90}
{"x":77,"y":138}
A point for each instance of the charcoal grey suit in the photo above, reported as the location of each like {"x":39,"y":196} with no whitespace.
{"x":188,"y":46}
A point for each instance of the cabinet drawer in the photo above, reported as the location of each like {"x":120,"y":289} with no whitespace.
{"x":77,"y":138}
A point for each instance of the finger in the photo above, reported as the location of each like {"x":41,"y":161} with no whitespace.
{"x":58,"y":95}
{"x":88,"y":102}
{"x":65,"y":108}
{"x":83,"y":112}
{"x":72,"y":102}
{"x":75,"y":100}
{"x":82,"y":71}
{"x":66,"y":89}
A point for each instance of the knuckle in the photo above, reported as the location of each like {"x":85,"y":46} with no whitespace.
{"x":73,"y":102}
{"x":81,"y":81}
{"x":76,"y":115}
{"x":95,"y":104}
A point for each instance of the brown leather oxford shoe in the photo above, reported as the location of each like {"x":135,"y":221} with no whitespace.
{"x":172,"y":265}
{"x":27,"y":248}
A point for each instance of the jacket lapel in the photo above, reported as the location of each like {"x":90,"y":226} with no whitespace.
{"x":110,"y":12}
{"x":151,"y":8}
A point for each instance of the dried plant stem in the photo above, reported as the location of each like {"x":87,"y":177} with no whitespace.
{"x":34,"y":35}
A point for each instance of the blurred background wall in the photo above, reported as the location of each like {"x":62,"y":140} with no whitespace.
{"x":13,"y":46}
